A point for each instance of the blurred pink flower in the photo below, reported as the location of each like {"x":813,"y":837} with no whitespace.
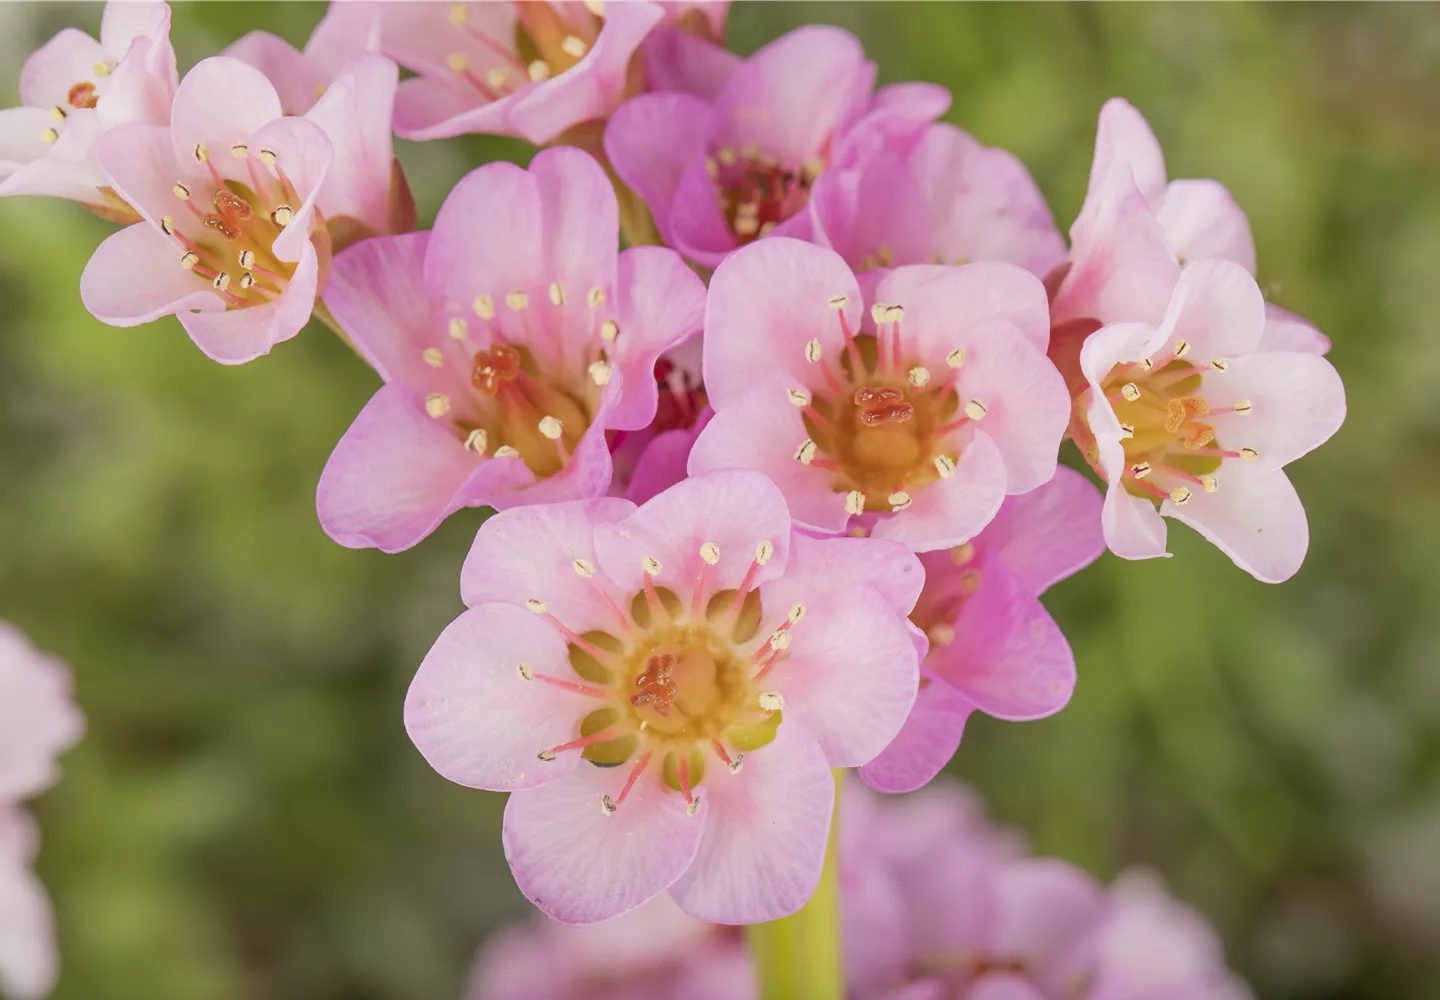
{"x":708,"y":666}
{"x":721,"y":171}
{"x":654,"y":952}
{"x":950,"y":201}
{"x":510,"y":339}
{"x":532,"y":70}
{"x":72,"y":90}
{"x":28,"y":966}
{"x":1193,"y":419}
{"x":992,"y":645}
{"x":239,"y":270}
{"x":38,"y":720}
{"x":913,"y":417}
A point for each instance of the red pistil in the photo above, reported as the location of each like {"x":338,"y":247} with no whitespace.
{"x":882,"y":404}
{"x":82,"y":95}
{"x":499,"y":364}
{"x":656,"y":684}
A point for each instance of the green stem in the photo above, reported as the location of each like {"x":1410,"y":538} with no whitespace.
{"x":798,"y":957}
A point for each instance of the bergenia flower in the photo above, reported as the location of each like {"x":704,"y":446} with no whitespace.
{"x":532,"y":70}
{"x":28,"y":966}
{"x":664,"y":690}
{"x":301,"y":77}
{"x":38,"y":720}
{"x":950,"y":201}
{"x":992,"y":645}
{"x":230,"y":243}
{"x":719,"y":174}
{"x":72,"y":90}
{"x":655,"y":952}
{"x":913,"y":409}
{"x":510,"y":339}
{"x":1193,"y":419}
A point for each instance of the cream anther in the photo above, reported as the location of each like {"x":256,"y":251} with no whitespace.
{"x":437,"y":404}
{"x":282,"y":216}
{"x":771,"y":701}
{"x":484,"y":306}
{"x":780,"y":641}
{"x":1249,"y":454}
{"x":458,"y":62}
{"x":1130,"y":391}
{"x":167,"y":225}
{"x":609,"y":330}
{"x":1180,"y":496}
{"x":505,"y":451}
{"x":247,"y":280}
{"x":240,"y":151}
{"x":796,"y":613}
{"x":899,"y":500}
{"x":799,"y":397}
{"x":595,"y":298}
{"x":607,"y":805}
{"x":975,"y":410}
{"x":572,"y":46}
{"x":962,"y":554}
{"x":551,"y":427}
{"x":496,"y":76}
{"x":1210,"y":483}
{"x":1182,"y":348}
{"x":693,"y":806}
{"x":942,"y":634}
{"x":222,"y":280}
{"x":536,"y":606}
{"x":763,"y":552}
{"x":267,"y":157}
{"x":476,"y":440}
{"x":557,"y":294}
{"x":546,"y":755}
{"x":584,"y":568}
{"x":50,"y":136}
{"x":459,"y":15}
{"x":1140,"y":470}
{"x":1219,"y":364}
{"x":737,"y":763}
{"x":517,"y":300}
{"x":805,"y":454}
{"x":538,"y":70}
{"x":525,"y":671}
{"x":651,"y":565}
{"x":189,"y":259}
{"x":1243,"y":407}
{"x":201,"y":152}
{"x":894,"y":314}
{"x":813,"y":350}
{"x":957,"y":357}
{"x":599,"y":372}
{"x":837,"y":301}
{"x":180,"y":191}
{"x":878,"y":312}
{"x":854,"y":502}
{"x":918,"y":376}
{"x":433,"y":357}
{"x":944,"y":466}
{"x":710,"y":553}
{"x":1127,"y":431}
{"x":459,"y":328}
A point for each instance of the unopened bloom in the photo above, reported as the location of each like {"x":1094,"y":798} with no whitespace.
{"x":528,"y":69}
{"x":230,"y":244}
{"x":719,"y":174}
{"x":951,"y":200}
{"x":992,"y":645}
{"x":1194,"y":419}
{"x":665,"y":690}
{"x":510,"y":339}
{"x":72,"y":90}
{"x":913,"y":409}
{"x":654,"y":952}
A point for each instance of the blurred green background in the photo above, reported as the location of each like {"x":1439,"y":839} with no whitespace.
{"x":246,"y":818}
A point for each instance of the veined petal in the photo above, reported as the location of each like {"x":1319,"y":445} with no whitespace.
{"x":926,"y":742}
{"x":1201,"y":220}
{"x":1254,"y":518}
{"x":135,"y":277}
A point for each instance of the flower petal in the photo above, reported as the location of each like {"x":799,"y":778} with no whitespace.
{"x":1003,"y":986}
{"x":1049,"y":533}
{"x":296,"y":79}
{"x":28,"y":967}
{"x":135,"y":277}
{"x":1218,"y":309}
{"x":661,"y":465}
{"x":52,"y":69}
{"x":677,"y":61}
{"x":1284,"y":331}
{"x":236,"y":336}
{"x":580,"y":864}
{"x":651,"y":141}
{"x":822,"y":568}
{"x":874,"y":214}
{"x":1254,"y":518}
{"x":220,"y":102}
{"x":473,"y":716}
{"x":580,"y":225}
{"x":954,"y":510}
{"x":1048,"y":911}
{"x":502,"y":202}
{"x":355,"y":113}
{"x":1297,"y":402}
{"x":943,"y":304}
{"x":926,"y":742}
{"x":38,"y":718}
{"x":764,"y":847}
{"x":660,"y":304}
{"x":1202,"y":220}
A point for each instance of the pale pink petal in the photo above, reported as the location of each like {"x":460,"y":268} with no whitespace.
{"x":1218,"y":309}
{"x":678,"y":61}
{"x":894,"y":120}
{"x":345,"y":32}
{"x":1284,"y":331}
{"x":220,"y":102}
{"x":985,"y":205}
{"x":139,"y":162}
{"x":141,"y":87}
{"x":873,"y":214}
{"x":1254,"y":518}
{"x":580,"y":864}
{"x":1110,"y":346}
{"x":587,"y":474}
{"x":31,"y":166}
{"x":926,"y":742}
{"x":236,"y":336}
{"x":660,"y":303}
{"x":296,"y":79}
{"x":764,"y":847}
{"x":122,"y":23}
{"x":1297,"y":402}
{"x":1133,"y":527}
{"x":651,"y":141}
{"x":355,"y":114}
{"x":954,"y":510}
{"x":766,"y":302}
{"x":305,"y":154}
{"x":736,"y":510}
{"x":1123,"y":139}
{"x":822,"y":568}
{"x":943,"y":304}
{"x":1003,"y":986}
{"x":421,"y":36}
{"x":476,"y":720}
{"x":1049,"y":911}
{"x":501,"y":203}
{"x":38,"y":719}
{"x":594,"y":86}
{"x":1201,"y":220}
{"x":761,"y":430}
{"x":394,"y":475}
{"x":427,"y":107}
{"x":28,"y":966}
{"x":789,"y":97}
{"x":849,"y":676}
{"x":1008,"y":656}
{"x":540,"y":553}
{"x":580,"y":223}
{"x":59,"y":64}
{"x":135,"y":277}
{"x":1049,"y":533}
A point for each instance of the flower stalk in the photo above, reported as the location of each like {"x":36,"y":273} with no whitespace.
{"x":798,"y":957}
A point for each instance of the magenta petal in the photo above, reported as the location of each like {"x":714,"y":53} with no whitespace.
{"x":1003,"y":986}
{"x":474,"y":717}
{"x":502,"y":202}
{"x":1049,"y":533}
{"x":950,"y":511}
{"x":236,"y":336}
{"x":736,"y":511}
{"x":873,"y":213}
{"x":661,"y":464}
{"x":766,"y":302}
{"x":925,"y":744}
{"x":1048,"y":909}
{"x":394,"y":475}
{"x":533,"y":552}
{"x":850,"y":675}
{"x":135,"y":277}
{"x":580,"y":864}
{"x":580,"y":224}
{"x":651,"y":141}
{"x":697,"y":225}
{"x":428,"y":107}
{"x":761,"y":431}
{"x":1201,"y":220}
{"x":660,"y":304}
{"x":677,"y":61}
{"x":1254,"y":518}
{"x":764,"y":846}
{"x":220,"y":102}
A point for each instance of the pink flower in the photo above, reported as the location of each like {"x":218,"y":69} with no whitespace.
{"x":1194,"y":419}
{"x":654,"y":952}
{"x":28,"y":967}
{"x":686,"y":51}
{"x":992,"y":645}
{"x":72,"y":90}
{"x":914,"y":417}
{"x":718,"y":173}
{"x":230,"y":244}
{"x":533,"y":70}
{"x":510,"y":339}
{"x":38,"y":721}
{"x":346,"y":32}
{"x":950,"y":201}
{"x":665,"y":690}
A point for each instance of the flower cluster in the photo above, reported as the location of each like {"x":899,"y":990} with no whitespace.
{"x":777,"y":494}
{"x":38,"y":722}
{"x":936,"y":903}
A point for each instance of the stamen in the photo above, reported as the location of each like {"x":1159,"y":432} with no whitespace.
{"x":59,"y":114}
{"x":771,"y":701}
{"x":437,"y":404}
{"x":1219,"y":364}
{"x":855,"y":502}
{"x":651,"y":566}
{"x":557,"y":294}
{"x":475,"y":441}
{"x":283,"y":215}
{"x":609,"y":804}
{"x":433,"y":356}
{"x":596,"y":298}
{"x":710,"y":553}
{"x":189,"y":259}
{"x":962,"y":554}
{"x":268,"y":157}
{"x":180,"y":191}
{"x":247,"y":280}
{"x":838,"y":301}
{"x":584,"y":568}
{"x":459,"y":14}
{"x":899,"y":500}
{"x":799,"y":397}
{"x":1182,"y":348}
{"x":526,"y":672}
{"x":813,"y":351}
{"x":957,"y":357}
{"x":722,"y":754}
{"x":602,"y":736}
{"x":1243,"y":407}
{"x":944,"y":466}
{"x":1130,"y":392}
{"x":894,"y":314}
{"x":1180,"y":496}
{"x":975,"y":410}
{"x":536,"y":606}
{"x":1249,"y":454}
{"x":239,"y":150}
{"x":763,"y":552}
{"x":609,"y":330}
{"x":970,"y":581}
{"x":942,"y":634}
{"x":600,"y":373}
{"x":538,"y":70}
{"x":1210,"y":483}
{"x":572,"y":46}
{"x":497,"y":76}
{"x":458,"y":62}
{"x":505,"y":451}
{"x":101,"y":68}
{"x":1140,"y":470}
{"x":1146,"y":364}
{"x":683,"y":769}
{"x":484,"y":307}
{"x":918,"y":376}
{"x":222,"y":281}
{"x":1127,"y":431}
{"x":877,"y":312}
{"x":459,"y":328}
{"x":201,"y":152}
{"x":551,"y":428}
{"x":805,"y":454}
{"x":517,"y":300}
